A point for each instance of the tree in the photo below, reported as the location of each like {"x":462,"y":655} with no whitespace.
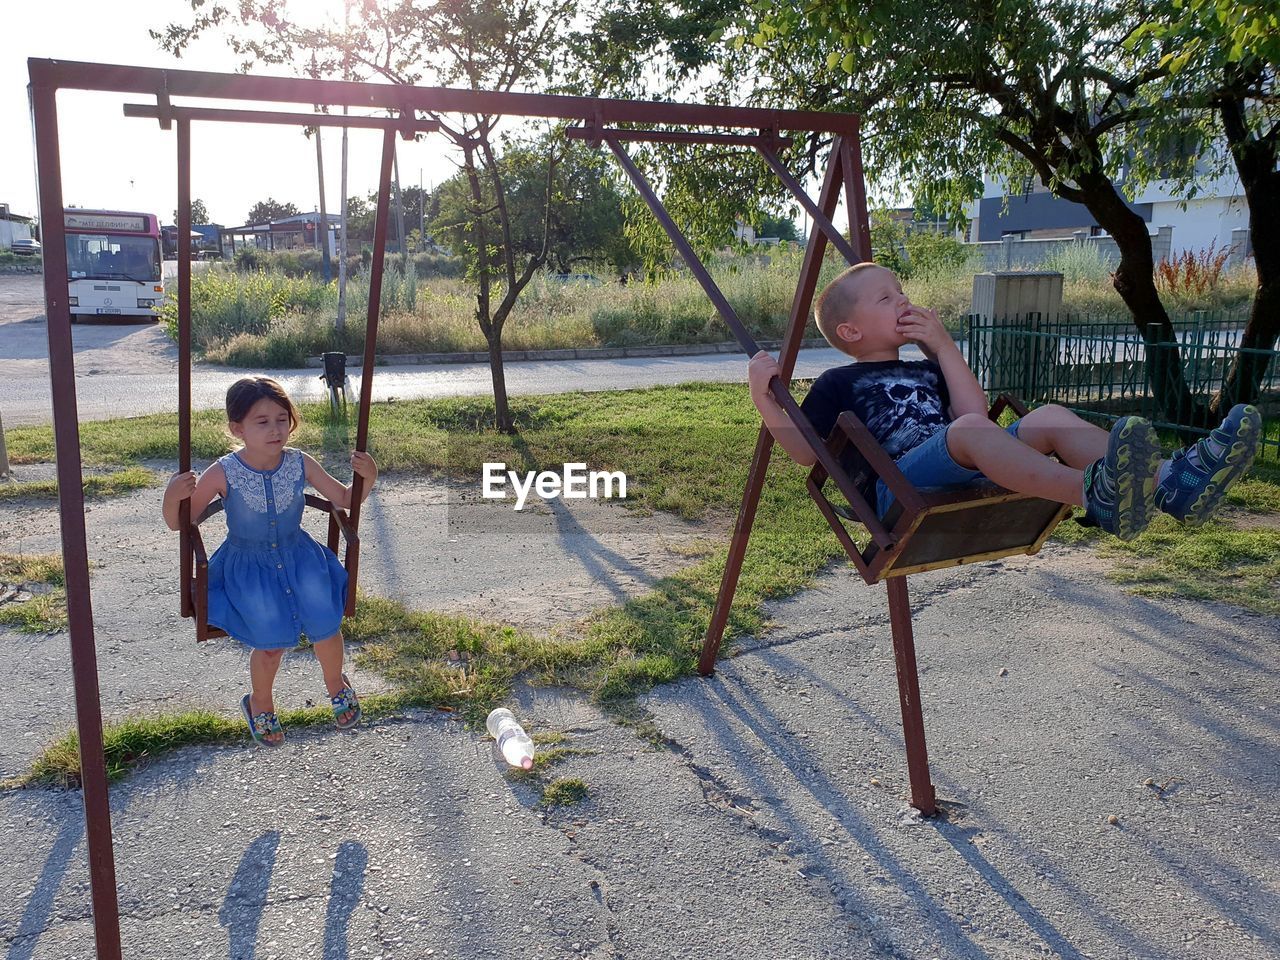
{"x":499,"y":45}
{"x":1224,"y":62}
{"x":268,"y":209}
{"x":199,"y":213}
{"x":361,"y":212}
{"x":782,"y":227}
{"x":582,"y":223}
{"x":1048,"y":88}
{"x":420,"y":207}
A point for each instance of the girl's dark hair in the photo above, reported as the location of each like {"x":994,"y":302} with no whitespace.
{"x":243,"y":394}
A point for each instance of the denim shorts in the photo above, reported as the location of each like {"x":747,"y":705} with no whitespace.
{"x":929,"y":466}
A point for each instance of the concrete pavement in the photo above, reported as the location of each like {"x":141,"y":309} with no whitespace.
{"x":760,"y":816}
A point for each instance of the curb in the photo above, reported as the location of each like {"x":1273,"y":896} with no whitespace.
{"x":15,"y":268}
{"x":585,"y":353}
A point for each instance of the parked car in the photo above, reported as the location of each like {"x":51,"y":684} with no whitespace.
{"x":25,"y":247}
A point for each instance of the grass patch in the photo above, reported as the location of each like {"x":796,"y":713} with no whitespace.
{"x":1215,"y":562}
{"x":44,"y":612}
{"x":545,"y":759}
{"x":685,"y":450}
{"x":564,"y":792}
{"x":98,"y":486}
{"x":32,"y":568}
{"x":130,"y":742}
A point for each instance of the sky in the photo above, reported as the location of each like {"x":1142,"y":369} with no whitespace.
{"x":114,"y":162}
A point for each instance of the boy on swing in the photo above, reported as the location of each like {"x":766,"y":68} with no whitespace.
{"x":930,"y":416}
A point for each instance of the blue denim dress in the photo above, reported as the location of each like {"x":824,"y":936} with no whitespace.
{"x":270,"y":582}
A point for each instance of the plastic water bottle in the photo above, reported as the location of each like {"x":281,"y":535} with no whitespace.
{"x":513,"y":742}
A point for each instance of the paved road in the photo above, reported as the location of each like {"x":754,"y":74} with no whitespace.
{"x":130,"y":370}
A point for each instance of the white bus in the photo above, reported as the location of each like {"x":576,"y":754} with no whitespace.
{"x":113,"y":263}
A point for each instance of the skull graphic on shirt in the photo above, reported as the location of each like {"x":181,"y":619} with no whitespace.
{"x":902,"y":413}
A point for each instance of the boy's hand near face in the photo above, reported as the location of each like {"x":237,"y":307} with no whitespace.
{"x":922,"y":326}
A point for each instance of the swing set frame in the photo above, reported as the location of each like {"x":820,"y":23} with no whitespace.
{"x":599,"y":121}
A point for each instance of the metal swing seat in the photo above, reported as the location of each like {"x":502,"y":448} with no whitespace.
{"x":343,"y":525}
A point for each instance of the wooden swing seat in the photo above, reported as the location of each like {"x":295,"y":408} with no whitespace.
{"x":196,"y":587}
{"x":929,"y":530}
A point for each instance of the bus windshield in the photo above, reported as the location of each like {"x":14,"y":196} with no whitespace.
{"x":102,"y":256}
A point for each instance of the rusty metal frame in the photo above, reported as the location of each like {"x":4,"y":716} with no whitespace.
{"x":598,"y":119}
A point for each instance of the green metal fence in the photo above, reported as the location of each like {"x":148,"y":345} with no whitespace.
{"x":1099,"y":368}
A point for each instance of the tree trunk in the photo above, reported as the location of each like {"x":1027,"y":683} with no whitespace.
{"x":491,"y":328}
{"x":1255,"y":160}
{"x":1134,"y":280}
{"x":496,"y":370}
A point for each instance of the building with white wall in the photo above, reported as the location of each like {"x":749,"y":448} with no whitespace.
{"x":13,"y":226}
{"x":1031,"y":212}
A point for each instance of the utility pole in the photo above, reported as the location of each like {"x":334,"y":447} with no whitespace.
{"x":404,"y":253}
{"x":322,"y":228}
{"x":422,"y":214}
{"x":341,"y":323}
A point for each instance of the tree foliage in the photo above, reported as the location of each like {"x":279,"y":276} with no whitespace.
{"x":199,"y":213}
{"x":583,"y":224}
{"x":264,"y":210}
{"x":1054,"y":89}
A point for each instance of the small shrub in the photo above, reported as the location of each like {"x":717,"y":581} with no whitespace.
{"x":437,"y":265}
{"x":246,"y":259}
{"x":1191,"y":275}
{"x":889,"y":244}
{"x":1079,"y":263}
{"x":930,"y":254}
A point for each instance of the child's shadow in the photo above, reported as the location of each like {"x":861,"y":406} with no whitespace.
{"x":246,"y":898}
{"x":344,"y":895}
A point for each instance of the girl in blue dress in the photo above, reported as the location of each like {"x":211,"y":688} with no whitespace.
{"x":270,"y":582}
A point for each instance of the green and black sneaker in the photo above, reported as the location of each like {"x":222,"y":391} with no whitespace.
{"x":1119,"y":489}
{"x":1194,"y":482}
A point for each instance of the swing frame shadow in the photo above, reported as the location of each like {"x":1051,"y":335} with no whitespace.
{"x":595,"y":116}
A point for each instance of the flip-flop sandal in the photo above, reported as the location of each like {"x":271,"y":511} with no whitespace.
{"x":261,"y":725}
{"x":344,"y":701}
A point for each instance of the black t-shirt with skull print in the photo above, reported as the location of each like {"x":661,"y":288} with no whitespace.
{"x":902,"y":403}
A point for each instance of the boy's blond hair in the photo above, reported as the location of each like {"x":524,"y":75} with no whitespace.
{"x":835,"y":302}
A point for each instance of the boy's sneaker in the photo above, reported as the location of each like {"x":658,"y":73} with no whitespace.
{"x":1119,"y":489}
{"x":1193,"y":483}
